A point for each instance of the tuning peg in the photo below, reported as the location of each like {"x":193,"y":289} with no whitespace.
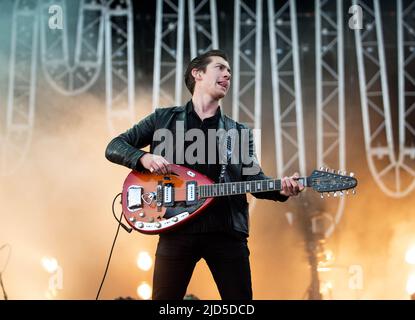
{"x":347,"y":192}
{"x":353,"y":191}
{"x":328,"y":194}
{"x":322,"y":195}
{"x":321,"y":168}
{"x":335,"y":194}
{"x":352,"y":174}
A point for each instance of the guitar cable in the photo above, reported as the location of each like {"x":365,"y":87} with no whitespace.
{"x":120,"y":223}
{"x":128,"y":229}
{"x":4,"y":269}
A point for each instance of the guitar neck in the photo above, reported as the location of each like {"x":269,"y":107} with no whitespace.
{"x":241,"y":187}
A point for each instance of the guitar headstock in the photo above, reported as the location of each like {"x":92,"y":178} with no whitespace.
{"x":328,"y":180}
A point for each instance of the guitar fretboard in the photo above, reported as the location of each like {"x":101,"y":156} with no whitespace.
{"x":241,"y":187}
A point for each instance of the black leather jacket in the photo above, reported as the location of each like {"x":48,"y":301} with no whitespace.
{"x":125,"y":150}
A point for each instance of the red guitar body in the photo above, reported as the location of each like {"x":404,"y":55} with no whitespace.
{"x":145,"y":208}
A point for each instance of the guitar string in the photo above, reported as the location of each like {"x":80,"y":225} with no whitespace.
{"x":250,"y":182}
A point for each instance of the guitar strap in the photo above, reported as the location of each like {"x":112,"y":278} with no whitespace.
{"x":230,"y":143}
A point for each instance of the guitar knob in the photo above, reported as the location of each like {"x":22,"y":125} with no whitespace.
{"x":341,"y":193}
{"x":158,"y":225}
{"x":352,"y":174}
{"x":131,"y":219}
{"x":353,"y":191}
{"x":141,"y":215}
{"x":328,"y":194}
{"x":321,"y":168}
{"x":335,"y":194}
{"x":175,"y":219}
{"x":322,"y":195}
{"x":139,"y":225}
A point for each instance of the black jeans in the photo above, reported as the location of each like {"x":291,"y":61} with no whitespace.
{"x":226,"y":256}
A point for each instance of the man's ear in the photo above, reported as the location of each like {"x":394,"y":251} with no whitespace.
{"x":196,"y":74}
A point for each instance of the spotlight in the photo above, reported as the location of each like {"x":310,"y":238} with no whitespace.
{"x":49,"y":264}
{"x":410,"y":285}
{"x":144,"y":261}
{"x":144,"y":291}
{"x":410,"y":255}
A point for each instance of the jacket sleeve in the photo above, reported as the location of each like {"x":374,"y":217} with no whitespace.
{"x":258,"y":174}
{"x":125,"y":149}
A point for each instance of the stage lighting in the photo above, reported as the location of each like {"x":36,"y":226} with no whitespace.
{"x":410,"y":255}
{"x":410,"y":285}
{"x":49,"y":264}
{"x":144,"y":261}
{"x":144,"y":291}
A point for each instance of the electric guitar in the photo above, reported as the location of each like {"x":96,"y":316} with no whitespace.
{"x":155,"y":203}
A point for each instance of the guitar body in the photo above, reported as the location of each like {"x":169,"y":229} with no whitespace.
{"x":145,"y":206}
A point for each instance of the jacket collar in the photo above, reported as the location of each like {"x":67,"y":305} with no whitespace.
{"x":181,"y":115}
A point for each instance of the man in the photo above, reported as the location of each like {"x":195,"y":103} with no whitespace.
{"x":219,"y":234}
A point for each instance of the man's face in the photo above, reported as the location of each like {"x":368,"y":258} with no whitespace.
{"x":216,"y":80}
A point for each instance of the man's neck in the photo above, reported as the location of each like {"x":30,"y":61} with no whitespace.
{"x":204,"y":106}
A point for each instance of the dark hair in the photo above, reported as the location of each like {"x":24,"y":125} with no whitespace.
{"x":200,"y":63}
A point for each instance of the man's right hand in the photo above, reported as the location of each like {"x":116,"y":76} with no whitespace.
{"x":155,"y":163}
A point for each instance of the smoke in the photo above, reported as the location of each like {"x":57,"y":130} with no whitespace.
{"x":59,"y":204}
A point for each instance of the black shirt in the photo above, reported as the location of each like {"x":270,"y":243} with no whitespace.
{"x":216,"y":217}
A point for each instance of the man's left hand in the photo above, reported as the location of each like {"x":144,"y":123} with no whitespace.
{"x":290,"y":186}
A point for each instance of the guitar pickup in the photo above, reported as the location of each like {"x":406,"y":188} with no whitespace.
{"x":168,"y":195}
{"x":191,"y":196}
{"x":134,"y":194}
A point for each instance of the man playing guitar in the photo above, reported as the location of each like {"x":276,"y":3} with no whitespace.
{"x":219,"y":234}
